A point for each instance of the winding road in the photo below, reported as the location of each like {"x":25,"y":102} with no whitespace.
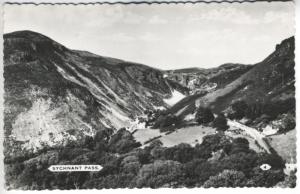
{"x":259,"y":137}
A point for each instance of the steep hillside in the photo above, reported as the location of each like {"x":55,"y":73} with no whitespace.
{"x":54,"y":95}
{"x":270,"y":80}
{"x":199,"y":79}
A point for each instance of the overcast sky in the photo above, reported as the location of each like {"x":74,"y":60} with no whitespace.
{"x":163,"y":36}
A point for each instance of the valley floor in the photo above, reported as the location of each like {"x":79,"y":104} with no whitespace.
{"x":194,"y":134}
{"x":285,"y":145}
{"x":191,"y":135}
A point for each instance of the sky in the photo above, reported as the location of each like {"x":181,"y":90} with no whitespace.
{"x":163,"y":36}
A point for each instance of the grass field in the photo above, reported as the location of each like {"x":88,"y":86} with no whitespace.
{"x":143,"y":135}
{"x":285,"y":145}
{"x":191,"y":135}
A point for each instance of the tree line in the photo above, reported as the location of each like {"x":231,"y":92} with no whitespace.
{"x":218,"y":161}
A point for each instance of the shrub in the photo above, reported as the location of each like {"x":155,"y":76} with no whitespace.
{"x":198,"y":171}
{"x":240,"y":144}
{"x":122,"y":142}
{"x":228,"y":178}
{"x":220,"y":123}
{"x":266,"y":178}
{"x":288,"y":123}
{"x":101,"y":139}
{"x":130,"y":164}
{"x":274,"y":160}
{"x":204,"y":115}
{"x":111,"y":181}
{"x":238,"y":108}
{"x":289,"y":181}
{"x":144,"y":156}
{"x":159,"y":174}
{"x":181,"y":153}
{"x":211,"y":143}
{"x":168,"y":121}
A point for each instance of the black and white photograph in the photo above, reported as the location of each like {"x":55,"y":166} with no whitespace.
{"x":149,"y":95}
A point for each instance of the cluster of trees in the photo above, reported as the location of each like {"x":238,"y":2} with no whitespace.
{"x":160,"y":119}
{"x":265,"y":112}
{"x":152,"y":116}
{"x":167,"y":123}
{"x":288,"y":123}
{"x":218,"y":161}
{"x":205,"y":116}
{"x":272,"y":109}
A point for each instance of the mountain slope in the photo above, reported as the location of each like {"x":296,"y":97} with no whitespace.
{"x":270,"y":80}
{"x":54,"y":95}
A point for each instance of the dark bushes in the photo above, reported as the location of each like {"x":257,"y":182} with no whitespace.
{"x":122,"y":142}
{"x":220,"y":123}
{"x":271,"y":109}
{"x":204,"y":115}
{"x":125,"y":165}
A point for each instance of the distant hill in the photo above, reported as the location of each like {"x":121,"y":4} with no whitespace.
{"x":185,"y":70}
{"x":199,"y":79}
{"x":270,"y":80}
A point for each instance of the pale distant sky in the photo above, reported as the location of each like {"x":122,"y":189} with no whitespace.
{"x":163,"y":36}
